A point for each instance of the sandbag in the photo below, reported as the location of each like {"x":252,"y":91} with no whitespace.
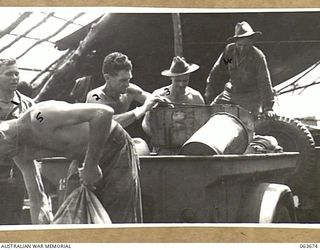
{"x":81,"y":207}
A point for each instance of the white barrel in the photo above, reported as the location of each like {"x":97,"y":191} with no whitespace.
{"x":222,"y":134}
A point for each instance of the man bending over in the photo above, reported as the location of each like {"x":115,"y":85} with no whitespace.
{"x":76,"y":131}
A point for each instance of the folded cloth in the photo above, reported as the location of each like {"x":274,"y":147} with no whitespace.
{"x":264,"y":144}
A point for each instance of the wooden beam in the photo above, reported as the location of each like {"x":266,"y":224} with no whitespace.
{"x":13,"y":25}
{"x":52,"y":66}
{"x":177,"y":30}
{"x":27,"y":32}
{"x":49,"y":70}
{"x":67,"y":73}
{"x":28,"y":37}
{"x":50,"y":36}
{"x":63,"y":19}
{"x":29,"y":69}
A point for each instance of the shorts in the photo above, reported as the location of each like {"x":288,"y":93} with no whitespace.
{"x":119,"y":190}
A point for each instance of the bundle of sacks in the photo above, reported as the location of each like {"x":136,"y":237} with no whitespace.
{"x":263,"y":144}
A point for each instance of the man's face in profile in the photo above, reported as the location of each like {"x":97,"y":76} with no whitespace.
{"x":9,"y":77}
{"x":120,"y":82}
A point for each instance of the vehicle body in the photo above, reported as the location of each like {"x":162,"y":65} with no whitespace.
{"x":203,"y":189}
{"x":225,"y":188}
{"x":220,"y":188}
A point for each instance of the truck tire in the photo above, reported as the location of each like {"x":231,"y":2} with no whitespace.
{"x":282,"y":215}
{"x":292,"y":135}
{"x":267,"y":203}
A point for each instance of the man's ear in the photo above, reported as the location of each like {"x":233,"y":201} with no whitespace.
{"x":106,"y":76}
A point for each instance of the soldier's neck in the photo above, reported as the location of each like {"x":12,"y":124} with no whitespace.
{"x":110,"y":92}
{"x":6,"y":95}
{"x":178,"y":93}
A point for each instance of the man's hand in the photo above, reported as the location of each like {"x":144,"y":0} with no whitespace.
{"x":90,"y":176}
{"x":157,"y":99}
{"x":45,"y":215}
{"x":152,"y":100}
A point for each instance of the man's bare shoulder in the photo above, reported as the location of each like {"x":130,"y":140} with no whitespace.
{"x":41,"y":110}
{"x":163,"y":91}
{"x":98,"y":91}
{"x":192,"y":91}
{"x":51,"y":104}
{"x":134,"y":89}
{"x":58,"y":107}
{"x":196,"y":95}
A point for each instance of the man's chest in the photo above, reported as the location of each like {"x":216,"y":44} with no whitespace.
{"x":241,"y":65}
{"x":186,"y":98}
{"x":8,"y":111}
{"x":120,"y":105}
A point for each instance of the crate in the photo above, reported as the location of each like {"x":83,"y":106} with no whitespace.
{"x":173,"y":126}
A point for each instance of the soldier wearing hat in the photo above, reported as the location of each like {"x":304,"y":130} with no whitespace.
{"x":178,"y":91}
{"x":243,"y":71}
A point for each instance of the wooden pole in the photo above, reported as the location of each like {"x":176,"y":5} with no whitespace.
{"x":12,"y":26}
{"x":52,"y":66}
{"x":177,"y":31}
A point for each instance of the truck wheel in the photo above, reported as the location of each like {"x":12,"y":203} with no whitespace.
{"x":292,"y":135}
{"x":281,"y":215}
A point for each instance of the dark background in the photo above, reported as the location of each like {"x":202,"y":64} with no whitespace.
{"x":290,"y":41}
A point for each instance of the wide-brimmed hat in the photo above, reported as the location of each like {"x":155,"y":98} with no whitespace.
{"x":179,"y":67}
{"x":243,"y":29}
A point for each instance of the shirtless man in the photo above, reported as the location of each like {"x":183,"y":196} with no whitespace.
{"x":76,"y":131}
{"x":178,"y":91}
{"x":118,"y":92}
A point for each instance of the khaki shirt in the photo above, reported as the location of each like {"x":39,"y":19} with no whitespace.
{"x":244,"y":75}
{"x":10,"y":111}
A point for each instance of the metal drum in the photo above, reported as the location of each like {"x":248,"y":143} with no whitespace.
{"x":222,"y":134}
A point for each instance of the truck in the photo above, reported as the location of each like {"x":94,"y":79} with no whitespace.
{"x":229,"y":188}
{"x":220,"y":187}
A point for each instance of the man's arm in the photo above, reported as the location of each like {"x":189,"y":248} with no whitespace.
{"x":57,"y":115}
{"x":197,"y":98}
{"x":139,"y":95}
{"x":148,"y":100}
{"x":126,"y":118}
{"x":217,"y":78}
{"x":40,"y":209}
{"x":146,"y":124}
{"x":146,"y":119}
{"x":265,"y":86}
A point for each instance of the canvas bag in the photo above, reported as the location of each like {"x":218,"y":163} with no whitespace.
{"x":81,"y":207}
